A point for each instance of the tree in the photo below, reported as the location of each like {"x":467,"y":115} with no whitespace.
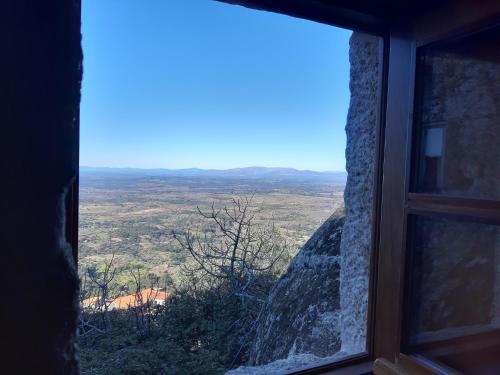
{"x":87,"y":303}
{"x":102,"y":281}
{"x":235,"y":262}
{"x":235,"y":248}
{"x":145,"y":312}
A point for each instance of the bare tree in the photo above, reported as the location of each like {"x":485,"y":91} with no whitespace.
{"x":88,"y":305}
{"x":102,"y":281}
{"x":234,"y":248}
{"x":144,"y":309}
{"x":137,"y":307}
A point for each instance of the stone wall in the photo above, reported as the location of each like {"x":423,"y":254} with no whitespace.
{"x":361,"y":131}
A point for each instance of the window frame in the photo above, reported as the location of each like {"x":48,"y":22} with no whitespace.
{"x":432,"y":31}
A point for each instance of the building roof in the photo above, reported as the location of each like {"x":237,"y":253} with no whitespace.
{"x":137,"y":299}
{"x":131,"y":300}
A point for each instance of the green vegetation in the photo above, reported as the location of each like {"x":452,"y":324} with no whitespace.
{"x":217,"y":261}
{"x":195,"y":333}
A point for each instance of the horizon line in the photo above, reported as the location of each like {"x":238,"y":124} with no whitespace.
{"x":213,"y":169}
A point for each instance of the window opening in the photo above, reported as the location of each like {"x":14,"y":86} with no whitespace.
{"x":226,"y":216}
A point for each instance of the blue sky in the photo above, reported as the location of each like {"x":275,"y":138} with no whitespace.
{"x":197,"y":83}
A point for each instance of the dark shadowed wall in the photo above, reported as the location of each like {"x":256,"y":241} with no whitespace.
{"x":40,"y":74}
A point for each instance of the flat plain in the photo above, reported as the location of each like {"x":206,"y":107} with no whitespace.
{"x":131,"y":213}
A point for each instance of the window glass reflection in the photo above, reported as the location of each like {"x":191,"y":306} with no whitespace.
{"x":454,"y":291}
{"x":459,"y":119}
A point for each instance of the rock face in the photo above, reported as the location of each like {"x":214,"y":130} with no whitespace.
{"x":302,"y":311}
{"x":319,"y":307}
{"x":361,"y":130}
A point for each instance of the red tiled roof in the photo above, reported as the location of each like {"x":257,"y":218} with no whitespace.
{"x":123,"y":302}
{"x":131,"y":300}
{"x":141,"y":298}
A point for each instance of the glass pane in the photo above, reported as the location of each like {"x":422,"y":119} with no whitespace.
{"x":459,"y":118}
{"x":454,"y":293}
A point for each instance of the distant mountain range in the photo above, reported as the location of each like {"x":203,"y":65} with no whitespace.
{"x":248,"y":172}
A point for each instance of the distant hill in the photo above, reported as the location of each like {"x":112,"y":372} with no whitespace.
{"x":248,"y":172}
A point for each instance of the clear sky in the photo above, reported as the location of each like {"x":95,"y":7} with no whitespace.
{"x":198,"y":83}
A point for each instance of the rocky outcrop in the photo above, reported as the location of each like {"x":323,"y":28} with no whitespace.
{"x":319,"y":307}
{"x":301,"y":314}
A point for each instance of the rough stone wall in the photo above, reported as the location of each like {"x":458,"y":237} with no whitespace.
{"x":360,"y":154}
{"x":40,"y":73}
{"x":301,"y":314}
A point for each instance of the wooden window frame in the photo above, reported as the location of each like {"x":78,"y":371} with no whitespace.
{"x":403,"y":143}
